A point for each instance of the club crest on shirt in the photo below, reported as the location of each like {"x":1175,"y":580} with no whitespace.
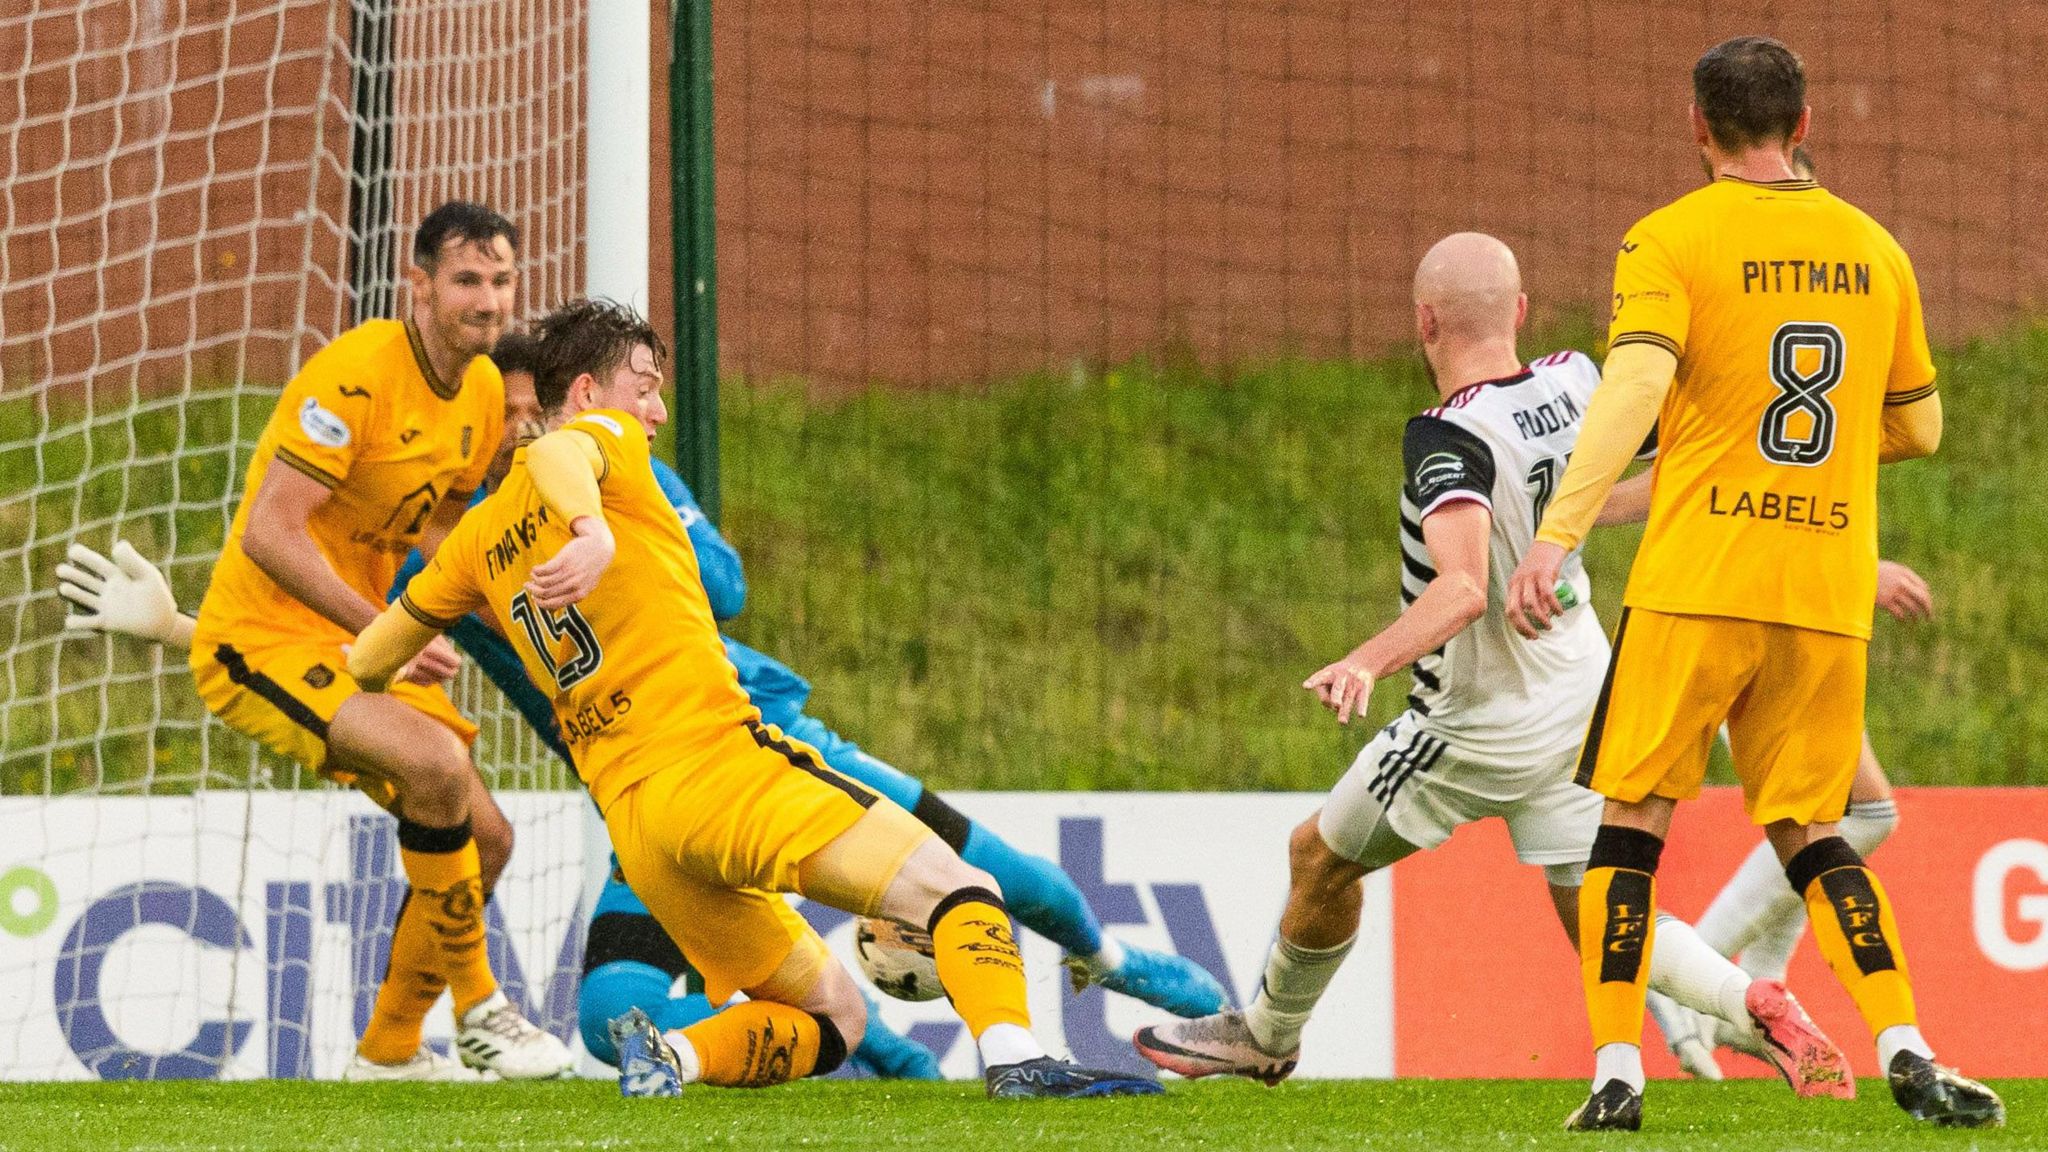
{"x":321,"y":426}
{"x":319,"y":676}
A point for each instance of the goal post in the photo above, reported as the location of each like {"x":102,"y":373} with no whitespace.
{"x":693,"y":225}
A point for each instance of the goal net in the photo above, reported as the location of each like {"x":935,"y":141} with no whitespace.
{"x":197,"y":196}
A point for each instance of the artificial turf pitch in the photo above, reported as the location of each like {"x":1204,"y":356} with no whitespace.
{"x":1742,"y":1116}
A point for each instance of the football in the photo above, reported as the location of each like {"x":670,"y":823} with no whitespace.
{"x":897,"y":958}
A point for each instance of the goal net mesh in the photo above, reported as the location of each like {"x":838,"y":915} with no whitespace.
{"x":197,"y":195}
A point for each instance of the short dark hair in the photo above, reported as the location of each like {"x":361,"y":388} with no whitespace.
{"x":461,"y":221}
{"x":589,"y":335}
{"x":1751,"y":90}
{"x":516,"y":352}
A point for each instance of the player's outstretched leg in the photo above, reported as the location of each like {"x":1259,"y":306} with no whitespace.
{"x":979,"y":964}
{"x":423,"y":771}
{"x":1317,"y":929}
{"x":1045,"y":900}
{"x":1769,"y":1021}
{"x":630,"y":964}
{"x":1857,"y":933}
{"x":1038,"y":893}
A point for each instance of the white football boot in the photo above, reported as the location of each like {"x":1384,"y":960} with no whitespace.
{"x":426,"y":1065}
{"x":494,"y":1037}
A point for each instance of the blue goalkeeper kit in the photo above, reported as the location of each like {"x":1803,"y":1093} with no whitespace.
{"x":1041,"y":896}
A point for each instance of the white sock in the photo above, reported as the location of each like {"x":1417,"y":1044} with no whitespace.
{"x":1684,"y":968}
{"x":686,"y":1055}
{"x":1756,"y":891}
{"x":1867,"y":823}
{"x":1295,"y":980}
{"x":1007,"y":1044}
{"x":1672,"y":1018}
{"x":1776,"y":937}
{"x":1618,"y":1061}
{"x":1105,"y":959}
{"x":1900,"y":1038}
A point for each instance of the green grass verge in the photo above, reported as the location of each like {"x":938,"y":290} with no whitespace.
{"x":1108,"y":579}
{"x":1120,"y":580}
{"x":1742,"y":1116}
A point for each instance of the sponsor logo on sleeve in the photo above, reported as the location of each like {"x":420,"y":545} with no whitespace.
{"x":1438,"y":471}
{"x":321,"y":426}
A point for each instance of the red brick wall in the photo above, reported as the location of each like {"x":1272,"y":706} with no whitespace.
{"x":933,"y":192}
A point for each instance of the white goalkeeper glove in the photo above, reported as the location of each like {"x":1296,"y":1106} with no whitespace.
{"x":124,"y":596}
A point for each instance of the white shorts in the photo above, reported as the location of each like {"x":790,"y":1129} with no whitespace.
{"x":1408,"y":790}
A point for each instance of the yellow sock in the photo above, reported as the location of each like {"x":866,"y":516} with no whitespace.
{"x":979,"y":965}
{"x":1859,"y":937}
{"x":437,"y":943}
{"x":756,"y":1043}
{"x":1617,"y":929}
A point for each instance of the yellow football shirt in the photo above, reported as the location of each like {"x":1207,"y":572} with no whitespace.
{"x":638,"y":673}
{"x":1795,"y":318}
{"x":366,"y":417}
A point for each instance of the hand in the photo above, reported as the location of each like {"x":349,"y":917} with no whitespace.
{"x":573,"y":573}
{"x":1343,"y":687}
{"x":126,"y":595}
{"x":1902,"y":592}
{"x":1532,"y":590}
{"x":437,"y":663}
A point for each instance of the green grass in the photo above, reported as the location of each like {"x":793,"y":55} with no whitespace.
{"x":1744,"y":1116}
{"x":1119,"y":580}
{"x":1102,"y":579}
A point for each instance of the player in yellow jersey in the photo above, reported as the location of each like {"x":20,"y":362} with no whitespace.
{"x":712,"y":812}
{"x":375,"y":448}
{"x":1771,"y":335}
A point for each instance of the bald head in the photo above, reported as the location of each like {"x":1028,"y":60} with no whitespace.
{"x":1471,"y":287}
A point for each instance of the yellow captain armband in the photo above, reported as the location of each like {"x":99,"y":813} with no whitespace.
{"x":1624,"y":409}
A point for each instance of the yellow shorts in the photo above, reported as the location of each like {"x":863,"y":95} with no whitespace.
{"x":708,"y":845}
{"x":283,"y":696}
{"x":1792,"y":699}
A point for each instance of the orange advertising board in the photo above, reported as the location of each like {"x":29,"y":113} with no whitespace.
{"x":1486,"y":985}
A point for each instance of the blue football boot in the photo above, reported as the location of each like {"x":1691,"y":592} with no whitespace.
{"x":647,"y":1065}
{"x":1056,"y":1079}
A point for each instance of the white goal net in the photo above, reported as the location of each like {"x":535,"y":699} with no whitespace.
{"x":197,"y":195}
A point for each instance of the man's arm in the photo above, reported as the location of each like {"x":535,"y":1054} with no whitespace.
{"x":1911,"y":430}
{"x":565,"y":466}
{"x":382,"y":651}
{"x":1628,"y":502}
{"x":277,"y":540}
{"x":1618,"y":422}
{"x":1456,"y":536}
